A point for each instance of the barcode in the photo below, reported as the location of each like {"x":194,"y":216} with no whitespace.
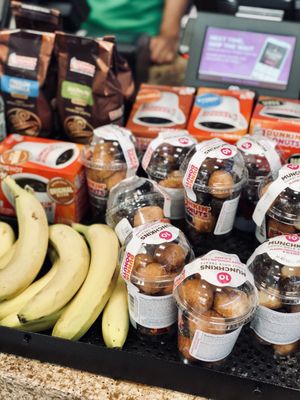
{"x":132,"y":305}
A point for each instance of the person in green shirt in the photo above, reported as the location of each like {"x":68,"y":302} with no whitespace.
{"x":159,"y":18}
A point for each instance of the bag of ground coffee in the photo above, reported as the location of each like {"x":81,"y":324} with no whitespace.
{"x":24,"y":64}
{"x":88,"y":93}
{"x":28,"y":16}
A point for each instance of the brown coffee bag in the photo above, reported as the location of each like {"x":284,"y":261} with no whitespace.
{"x":29,"y":16}
{"x":88,"y":94}
{"x":24,"y":64}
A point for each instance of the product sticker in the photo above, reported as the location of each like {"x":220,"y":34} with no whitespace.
{"x":214,"y":148}
{"x":258,"y":145}
{"x":177,"y":202}
{"x":276,"y":327}
{"x":219,"y":269}
{"x":288,"y":177}
{"x":154,"y":312}
{"x":97,"y":189}
{"x":124,"y":137}
{"x":19,"y":86}
{"x":173,"y":137}
{"x":261,"y":231}
{"x":153,"y":233}
{"x":284,"y":249}
{"x":167,"y":198}
{"x":226,"y":216}
{"x":210,"y":348}
{"x":123,"y":229}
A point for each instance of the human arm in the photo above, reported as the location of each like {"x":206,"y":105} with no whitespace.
{"x":163,"y":47}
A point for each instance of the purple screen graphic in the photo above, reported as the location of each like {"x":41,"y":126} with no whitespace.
{"x":256,"y":59}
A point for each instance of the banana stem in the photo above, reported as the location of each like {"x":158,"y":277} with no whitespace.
{"x":15,"y":189}
{"x":80,"y":228}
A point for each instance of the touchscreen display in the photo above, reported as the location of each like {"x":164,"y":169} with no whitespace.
{"x":248,"y":58}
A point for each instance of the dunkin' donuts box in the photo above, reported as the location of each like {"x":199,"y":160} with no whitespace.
{"x":221,"y":113}
{"x":158,"y":107}
{"x":278,"y":119}
{"x":52,"y":169}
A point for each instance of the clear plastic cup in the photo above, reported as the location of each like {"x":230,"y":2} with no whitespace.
{"x":134,"y":202}
{"x":276,"y":268}
{"x":262,"y":157}
{"x":162,"y":162}
{"x":216,"y":297}
{"x":108,"y":159}
{"x":214,"y":174}
{"x":152,"y":256}
{"x":278,"y":210}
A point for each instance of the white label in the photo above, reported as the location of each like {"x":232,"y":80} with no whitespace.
{"x":23,"y":62}
{"x":284,"y":249}
{"x":154,"y":233}
{"x":214,"y":148}
{"x":226,"y":216}
{"x":177,"y":202}
{"x":261,"y":231}
{"x":210,"y":348}
{"x":174,"y":137}
{"x":288,"y":177}
{"x":219,"y":269}
{"x":123,"y":229}
{"x":276,"y":327}
{"x":82,"y":67}
{"x":166,"y":196}
{"x":124,"y":138}
{"x":154,"y":312}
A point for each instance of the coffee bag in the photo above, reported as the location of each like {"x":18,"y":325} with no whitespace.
{"x":24,"y":63}
{"x":89,"y":94}
{"x":28,"y":16}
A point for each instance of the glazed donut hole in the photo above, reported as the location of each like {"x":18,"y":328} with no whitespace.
{"x":231,"y":303}
{"x":173,"y":180}
{"x":197,"y":294}
{"x":268,"y":300}
{"x":147,"y":214}
{"x":184,"y":344}
{"x":171,"y":255}
{"x":204,"y":225}
{"x":286,"y":349}
{"x":149,"y":274}
{"x":210,"y":322}
{"x":221,"y":184}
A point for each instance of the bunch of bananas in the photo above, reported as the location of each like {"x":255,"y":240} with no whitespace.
{"x":83,"y":280}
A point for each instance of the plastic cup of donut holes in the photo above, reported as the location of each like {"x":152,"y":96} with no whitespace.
{"x":105,"y":167}
{"x":208,"y":310}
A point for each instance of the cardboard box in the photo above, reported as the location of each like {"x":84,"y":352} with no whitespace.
{"x":158,"y":107}
{"x":221,"y":113}
{"x":52,"y":169}
{"x":278,"y":119}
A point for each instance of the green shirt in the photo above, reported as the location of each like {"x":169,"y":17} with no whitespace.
{"x":124,"y":16}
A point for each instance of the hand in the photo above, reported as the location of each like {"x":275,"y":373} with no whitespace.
{"x":163,"y":49}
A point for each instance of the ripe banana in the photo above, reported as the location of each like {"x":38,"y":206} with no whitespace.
{"x":72,"y":267}
{"x":5,"y":259}
{"x":12,"y":321}
{"x":87,"y":305}
{"x":7,"y":237}
{"x":14,"y":305}
{"x":115,"y":318}
{"x":31,"y":246}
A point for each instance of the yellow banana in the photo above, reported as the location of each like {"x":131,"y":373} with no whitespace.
{"x":12,"y":321}
{"x":87,"y":305}
{"x":7,"y":238}
{"x":72,"y":267}
{"x":115,"y":318}
{"x":15,"y":304}
{"x":31,"y":246}
{"x":5,"y":259}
